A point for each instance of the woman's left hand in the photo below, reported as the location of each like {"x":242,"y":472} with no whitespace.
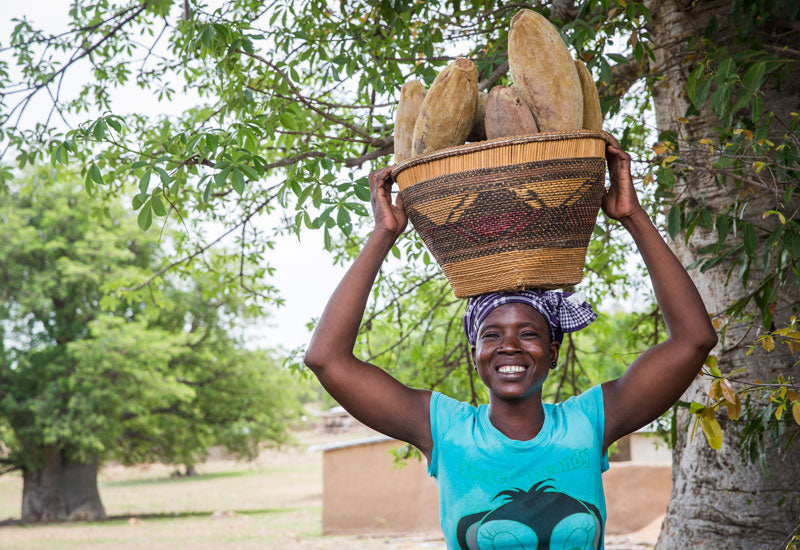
{"x":620,"y":201}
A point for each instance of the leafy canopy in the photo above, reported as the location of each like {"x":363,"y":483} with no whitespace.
{"x":159,"y":375}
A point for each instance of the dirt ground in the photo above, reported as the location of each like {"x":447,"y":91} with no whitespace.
{"x":273,"y":502}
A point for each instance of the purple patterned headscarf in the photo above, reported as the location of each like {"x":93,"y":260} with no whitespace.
{"x":563,"y":311}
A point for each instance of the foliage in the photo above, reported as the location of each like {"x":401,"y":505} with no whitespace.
{"x":156,"y":376}
{"x":294,"y":99}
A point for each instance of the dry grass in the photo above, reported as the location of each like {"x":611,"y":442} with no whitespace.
{"x":272,"y":502}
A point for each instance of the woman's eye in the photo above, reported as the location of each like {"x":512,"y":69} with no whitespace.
{"x":487,"y":335}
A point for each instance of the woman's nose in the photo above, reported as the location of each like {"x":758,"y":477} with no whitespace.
{"x":509,"y":344}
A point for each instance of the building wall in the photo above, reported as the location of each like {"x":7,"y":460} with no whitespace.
{"x":636,"y":495}
{"x":363,"y":492}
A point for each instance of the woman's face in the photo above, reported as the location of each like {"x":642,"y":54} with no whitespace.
{"x":513,"y":351}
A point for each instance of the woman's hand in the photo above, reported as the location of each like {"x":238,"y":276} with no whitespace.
{"x":389,"y":217}
{"x":620,"y":201}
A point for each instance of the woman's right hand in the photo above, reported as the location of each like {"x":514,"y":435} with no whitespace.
{"x":389,"y":218}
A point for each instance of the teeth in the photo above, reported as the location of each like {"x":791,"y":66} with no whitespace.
{"x":510,"y":369}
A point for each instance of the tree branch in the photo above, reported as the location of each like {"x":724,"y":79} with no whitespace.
{"x":22,"y":105}
{"x":494,"y":76}
{"x":302,"y":98}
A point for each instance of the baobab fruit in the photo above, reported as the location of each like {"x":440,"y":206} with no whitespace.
{"x":412,"y":95}
{"x":507,"y":115}
{"x":448,"y":111}
{"x":544,"y":73}
{"x":592,"y":115}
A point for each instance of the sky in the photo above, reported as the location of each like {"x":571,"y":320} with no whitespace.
{"x":305,"y":273}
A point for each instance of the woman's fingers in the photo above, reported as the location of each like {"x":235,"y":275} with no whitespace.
{"x":380,"y":178}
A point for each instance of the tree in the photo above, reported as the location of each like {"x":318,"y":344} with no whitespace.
{"x":737,"y":96}
{"x":295,"y":98}
{"x":87,"y":377}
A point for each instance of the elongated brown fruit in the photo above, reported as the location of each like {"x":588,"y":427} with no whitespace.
{"x":478,"y":132}
{"x":507,"y":114}
{"x":544,"y":73}
{"x":592,"y":115}
{"x":446,"y":116}
{"x":412,"y":94}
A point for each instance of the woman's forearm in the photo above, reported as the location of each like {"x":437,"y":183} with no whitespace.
{"x":336,"y":332}
{"x":684,"y":313}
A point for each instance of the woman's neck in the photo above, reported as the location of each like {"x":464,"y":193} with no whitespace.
{"x":520,"y":419}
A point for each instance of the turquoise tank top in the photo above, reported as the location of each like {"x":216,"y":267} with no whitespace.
{"x":500,"y":493}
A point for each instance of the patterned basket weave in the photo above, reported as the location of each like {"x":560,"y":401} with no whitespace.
{"x":510,"y":213}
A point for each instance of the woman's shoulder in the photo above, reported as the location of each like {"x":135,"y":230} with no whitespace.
{"x":448,"y":409}
{"x":450,"y":403}
{"x":588,"y":401}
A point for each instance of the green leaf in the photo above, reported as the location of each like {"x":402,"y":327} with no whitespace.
{"x":754,"y":76}
{"x":327,"y":240}
{"x":723,"y":162}
{"x":727,"y":68}
{"x":362,"y":192}
{"x":88,"y":185}
{"x":701,"y":93}
{"x":343,"y":220}
{"x":750,"y":240}
{"x":145,"y":218}
{"x":144,"y":182}
{"x":237,"y":181}
{"x":723,"y":225}
{"x":163,"y":175}
{"x":675,"y":221}
{"x":720,"y":100}
{"x":158,"y":206}
{"x":138,"y":201}
{"x":99,"y":130}
{"x":743,"y":100}
{"x":695,"y":407}
{"x":94,"y":171}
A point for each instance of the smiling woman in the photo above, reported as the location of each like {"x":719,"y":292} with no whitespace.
{"x":517,"y":472}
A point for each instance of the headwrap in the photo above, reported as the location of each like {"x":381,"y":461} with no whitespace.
{"x":563,"y":311}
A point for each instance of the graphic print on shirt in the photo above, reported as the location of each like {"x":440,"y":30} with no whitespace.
{"x":531,"y":520}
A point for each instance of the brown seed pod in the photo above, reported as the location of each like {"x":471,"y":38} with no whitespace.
{"x":412,"y":95}
{"x":592,"y":115}
{"x":507,"y":114}
{"x":447,"y":113}
{"x":544,"y":73}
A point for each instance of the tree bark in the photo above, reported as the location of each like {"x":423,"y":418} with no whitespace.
{"x":718,"y":500}
{"x":61,"y":490}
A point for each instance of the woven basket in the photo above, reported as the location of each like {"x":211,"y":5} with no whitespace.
{"x":509,"y":213}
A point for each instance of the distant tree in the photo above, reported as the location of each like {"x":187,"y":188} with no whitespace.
{"x":87,"y":377}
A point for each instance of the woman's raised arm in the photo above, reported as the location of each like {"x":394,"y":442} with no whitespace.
{"x":364,"y":390}
{"x":658,"y":377}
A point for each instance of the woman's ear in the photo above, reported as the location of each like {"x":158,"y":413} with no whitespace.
{"x":555,"y":346}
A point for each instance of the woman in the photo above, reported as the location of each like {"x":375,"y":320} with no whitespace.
{"x":517,"y":473}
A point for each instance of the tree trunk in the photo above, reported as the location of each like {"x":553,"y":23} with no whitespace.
{"x":717,"y":499}
{"x":61,"y":490}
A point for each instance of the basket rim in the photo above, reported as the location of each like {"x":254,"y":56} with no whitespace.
{"x":498,"y":142}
